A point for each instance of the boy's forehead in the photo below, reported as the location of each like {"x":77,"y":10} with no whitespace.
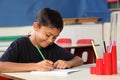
{"x":51,"y":30}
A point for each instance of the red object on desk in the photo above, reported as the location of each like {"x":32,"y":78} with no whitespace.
{"x":89,"y":50}
{"x":107,"y":63}
{"x":114,"y":59}
{"x":92,"y":70}
{"x":99,"y":66}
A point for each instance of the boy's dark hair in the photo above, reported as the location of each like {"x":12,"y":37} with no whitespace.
{"x":49,"y":17}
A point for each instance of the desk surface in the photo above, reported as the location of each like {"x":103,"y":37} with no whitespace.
{"x":84,"y":74}
{"x":3,"y":48}
{"x":76,"y":45}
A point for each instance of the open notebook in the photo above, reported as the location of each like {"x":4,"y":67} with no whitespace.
{"x":57,"y":72}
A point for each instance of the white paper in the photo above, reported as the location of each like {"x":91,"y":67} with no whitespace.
{"x":58,"y":72}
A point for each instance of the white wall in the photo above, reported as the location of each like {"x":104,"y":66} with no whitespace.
{"x":76,"y":32}
{"x":11,"y":31}
{"x":14,"y":31}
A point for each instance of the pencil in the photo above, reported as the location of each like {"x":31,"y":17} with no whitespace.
{"x":94,"y":49}
{"x":111,"y":44}
{"x":104,"y":46}
{"x":40,"y":52}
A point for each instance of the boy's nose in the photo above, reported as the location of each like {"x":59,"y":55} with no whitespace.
{"x":51,"y":40}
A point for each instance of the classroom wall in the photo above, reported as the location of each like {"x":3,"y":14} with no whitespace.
{"x":96,"y":31}
{"x":75,"y":32}
{"x":22,"y":12}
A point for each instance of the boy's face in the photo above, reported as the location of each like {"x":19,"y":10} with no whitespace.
{"x":46,"y":35}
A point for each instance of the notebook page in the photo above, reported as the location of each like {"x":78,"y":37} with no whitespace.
{"x":59,"y":72}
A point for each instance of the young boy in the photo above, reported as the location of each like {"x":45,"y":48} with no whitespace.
{"x":23,"y":54}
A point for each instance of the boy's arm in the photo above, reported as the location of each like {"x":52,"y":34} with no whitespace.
{"x":76,"y":61}
{"x":15,"y":67}
{"x":61,"y":64}
{"x":44,"y":65}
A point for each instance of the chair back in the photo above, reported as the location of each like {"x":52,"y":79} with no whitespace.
{"x":84,"y":41}
{"x":65,"y":41}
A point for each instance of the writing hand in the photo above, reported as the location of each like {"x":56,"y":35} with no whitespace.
{"x":44,"y":65}
{"x":61,"y":64}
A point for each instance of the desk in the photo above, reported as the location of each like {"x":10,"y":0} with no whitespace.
{"x":3,"y":48}
{"x":84,"y":74}
{"x":76,"y":45}
{"x":80,"y":50}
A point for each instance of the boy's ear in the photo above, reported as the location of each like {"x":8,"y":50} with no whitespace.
{"x":35,"y":26}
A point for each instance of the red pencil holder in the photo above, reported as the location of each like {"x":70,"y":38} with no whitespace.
{"x":92,"y":70}
{"x":107,"y":64}
{"x":114,"y":60}
{"x":99,"y":66}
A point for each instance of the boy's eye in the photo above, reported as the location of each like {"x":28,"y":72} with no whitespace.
{"x":48,"y":35}
{"x":54,"y":38}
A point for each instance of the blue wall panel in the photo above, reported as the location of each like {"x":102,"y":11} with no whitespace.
{"x":22,"y":12}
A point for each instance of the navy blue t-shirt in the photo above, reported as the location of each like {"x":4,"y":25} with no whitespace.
{"x":23,"y":51}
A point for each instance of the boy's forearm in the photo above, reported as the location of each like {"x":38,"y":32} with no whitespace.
{"x":16,"y":67}
{"x":76,"y":61}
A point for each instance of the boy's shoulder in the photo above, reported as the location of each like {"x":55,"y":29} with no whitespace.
{"x":22,"y":40}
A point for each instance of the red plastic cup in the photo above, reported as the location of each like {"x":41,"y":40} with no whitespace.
{"x":92,"y":70}
{"x":99,"y":66}
{"x":107,"y":64}
{"x":114,"y":60}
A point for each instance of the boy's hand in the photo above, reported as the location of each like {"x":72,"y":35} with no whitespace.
{"x":45,"y":65}
{"x":61,"y":64}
